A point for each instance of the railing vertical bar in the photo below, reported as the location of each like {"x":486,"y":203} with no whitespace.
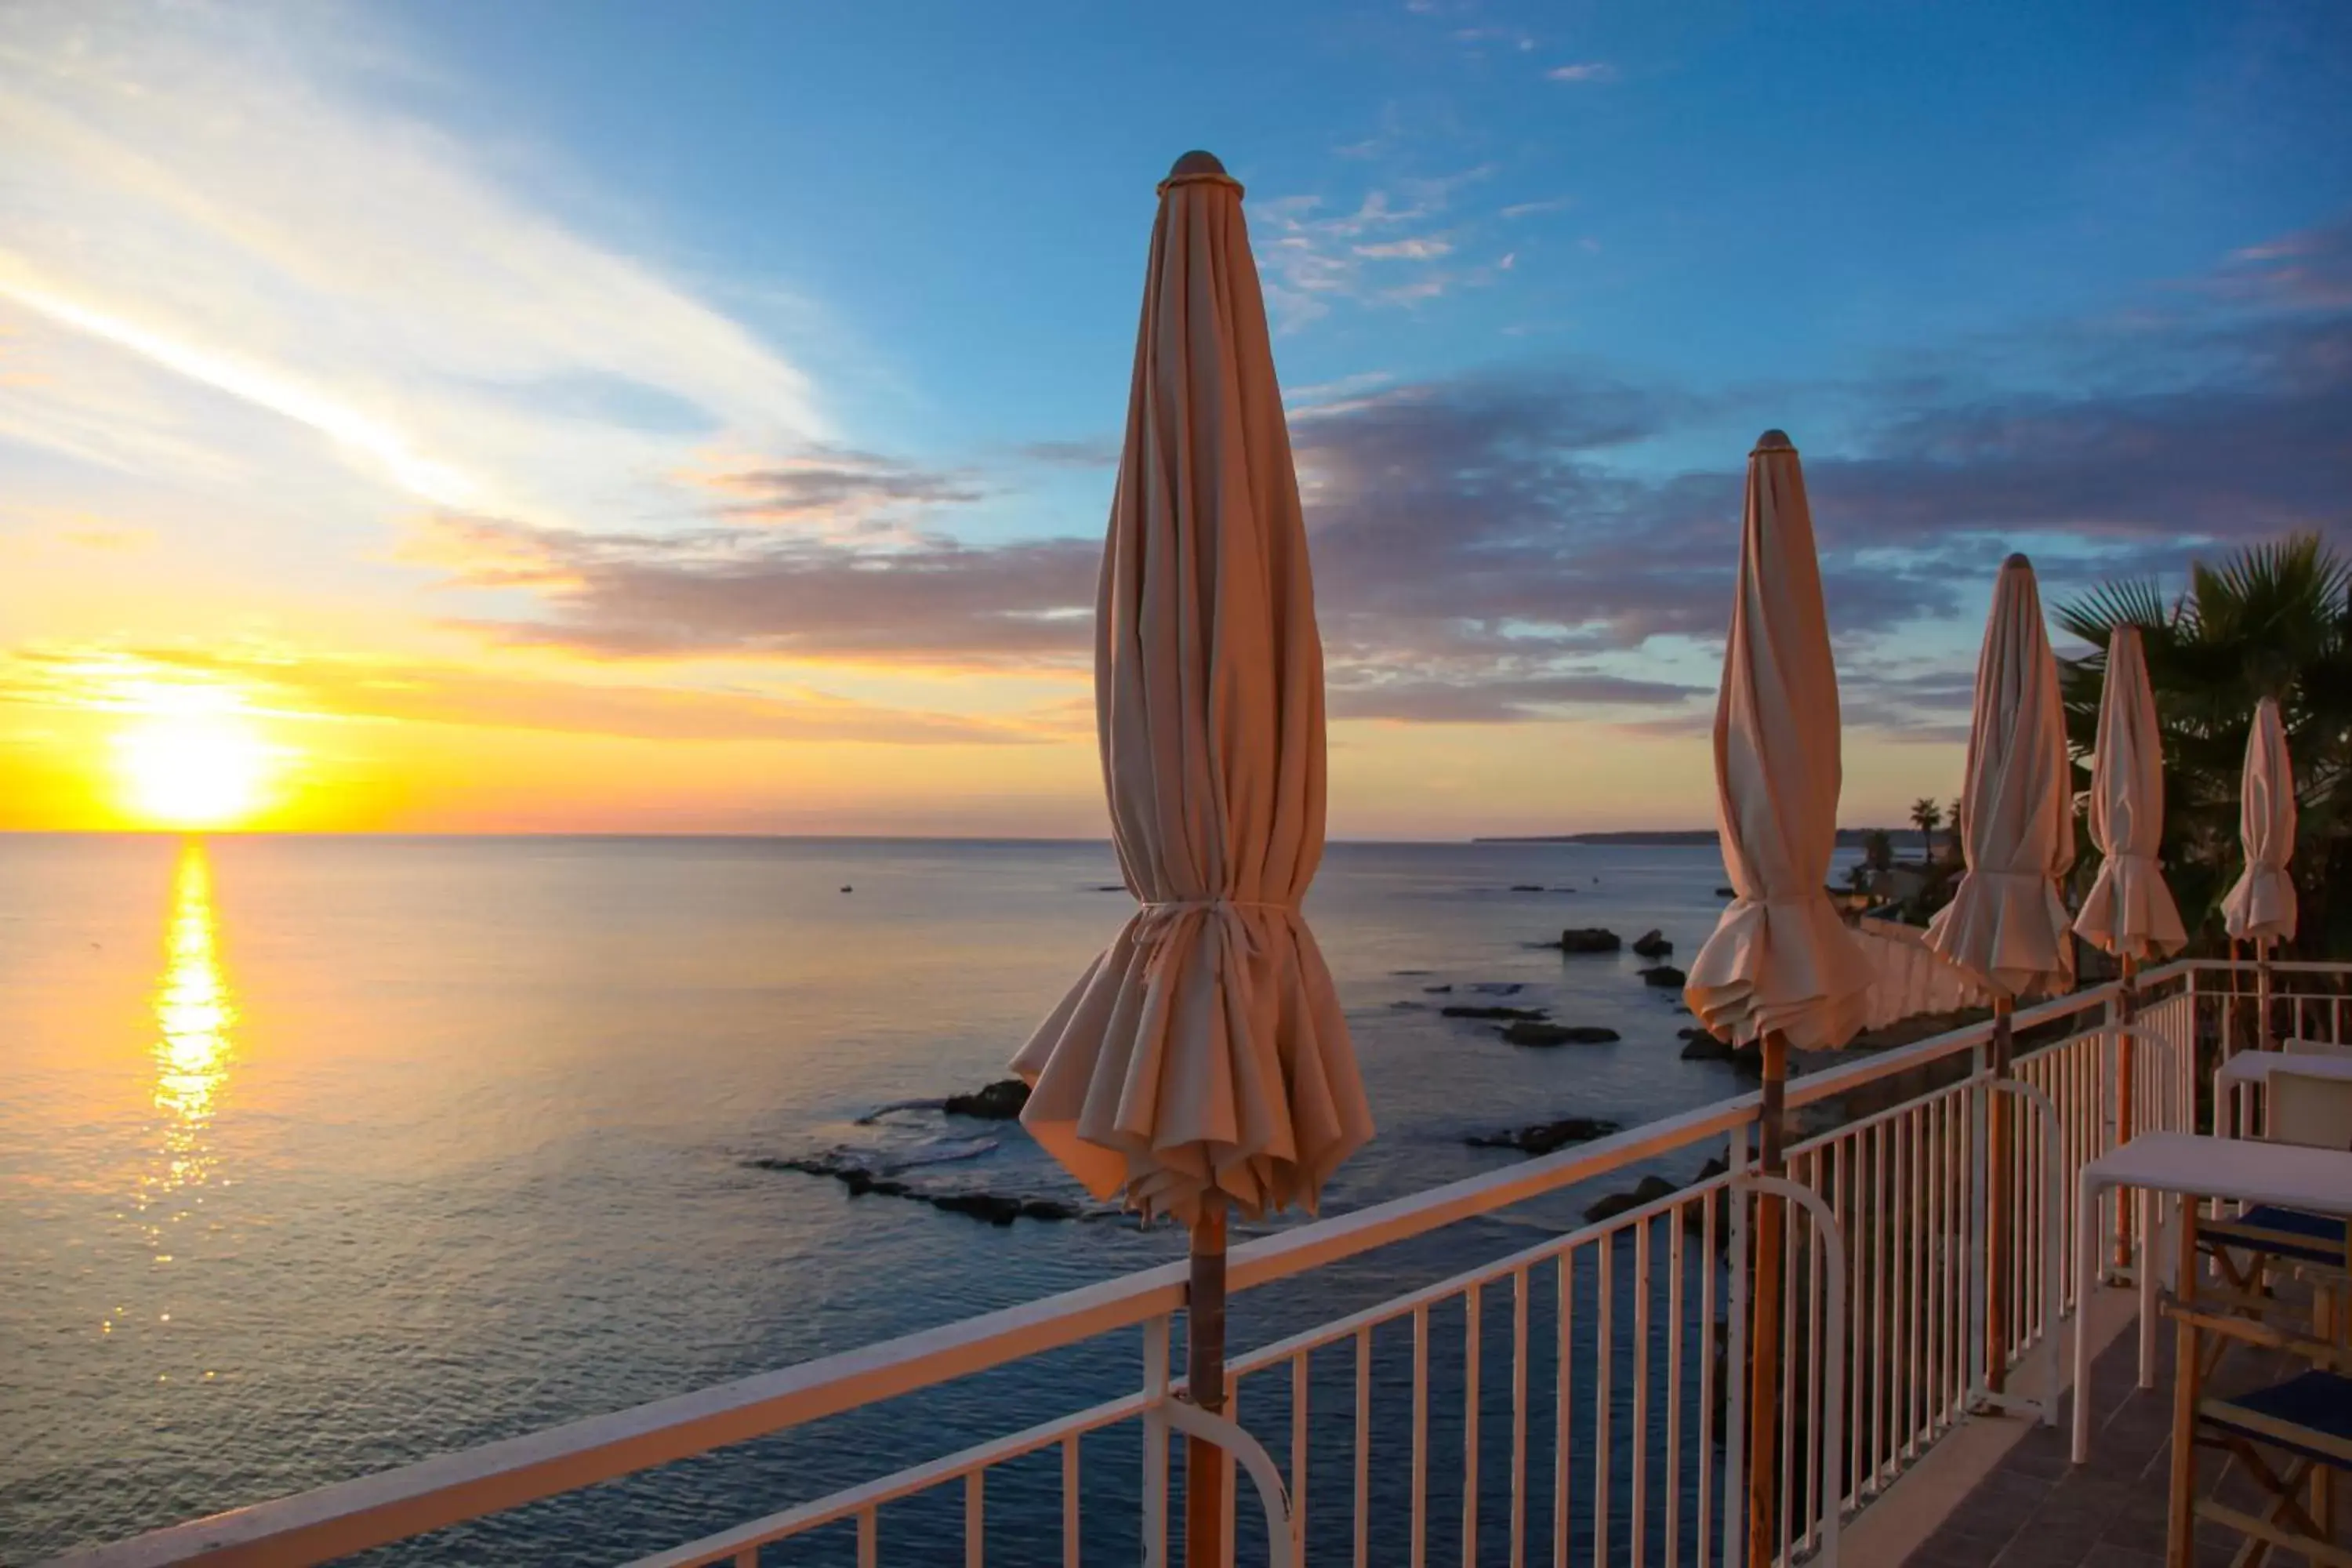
{"x":1883,"y":1238}
{"x":1155,"y":1443}
{"x":1792,"y":1285}
{"x":870,"y":1538}
{"x":1605,"y":1355}
{"x":1906,"y":1299}
{"x":1070,"y":1501}
{"x":1520,"y":1285}
{"x":1677,"y":1224}
{"x":1564,"y":1408}
{"x":1813,"y":1358}
{"x":1472,"y":1304}
{"x":975,"y":1522}
{"x":1845,"y":1201}
{"x":1364,"y":1455}
{"x":1638,"y":1507}
{"x":1420,"y":1436}
{"x":1974,"y":1168}
{"x":748,"y":1558}
{"x":1734,"y":1436}
{"x":1299,"y":1369}
{"x":1706,"y":1412}
{"x":1229,"y":1502}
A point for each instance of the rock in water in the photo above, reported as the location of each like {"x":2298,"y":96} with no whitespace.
{"x":1663,"y":976}
{"x":1652,"y":944}
{"x":1698,"y":1046}
{"x":1651,"y":1189}
{"x":1459,"y":1011}
{"x":1546,"y":1136}
{"x":1000,"y":1101}
{"x":1536,"y":1033}
{"x":1727,"y":892}
{"x":1588,"y":939}
{"x":1527,"y":888}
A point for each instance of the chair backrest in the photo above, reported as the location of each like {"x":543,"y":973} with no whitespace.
{"x":2314,"y":1048}
{"x":2308,"y":1109}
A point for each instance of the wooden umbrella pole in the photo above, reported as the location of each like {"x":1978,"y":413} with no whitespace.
{"x":1205,"y":1365}
{"x":1764,"y":1319}
{"x":1997,"y":1203}
{"x":2128,"y":1010}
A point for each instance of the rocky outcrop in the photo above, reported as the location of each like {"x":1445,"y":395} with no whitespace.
{"x":1588,"y":939}
{"x":996,"y":1208}
{"x":1652,"y":944}
{"x":1536,"y":1033}
{"x":1546,"y":1136}
{"x":1000,"y":1101}
{"x":1460,"y":1010}
{"x":1665,"y":976}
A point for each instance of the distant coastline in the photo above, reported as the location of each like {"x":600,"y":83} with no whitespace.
{"x":1847,"y":838}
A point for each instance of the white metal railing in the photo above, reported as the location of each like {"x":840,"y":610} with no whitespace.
{"x":1560,"y":1402}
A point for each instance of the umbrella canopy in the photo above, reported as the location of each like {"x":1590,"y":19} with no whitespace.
{"x":1779,"y":959}
{"x":2129,"y":911}
{"x":2262,"y":904}
{"x":2006,"y":920}
{"x":1205,"y":1048}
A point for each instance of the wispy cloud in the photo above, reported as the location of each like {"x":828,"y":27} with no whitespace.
{"x":291,"y":684}
{"x":1312,"y":257}
{"x":1422,"y":248}
{"x":349,"y":267}
{"x":1583,"y":71}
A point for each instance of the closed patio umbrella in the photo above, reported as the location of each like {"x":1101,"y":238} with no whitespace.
{"x":1203,"y":1061}
{"x":1780,"y":968}
{"x":2259,"y":907}
{"x":2006,"y":920}
{"x":2128,"y":913}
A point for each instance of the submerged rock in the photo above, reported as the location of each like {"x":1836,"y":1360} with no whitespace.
{"x":1000,"y":1101}
{"x":1436,"y":989}
{"x":1546,"y":1136}
{"x":1590,"y":939}
{"x":1527,"y":888}
{"x":1727,"y":892}
{"x":1531,"y":1032}
{"x":1663,"y":976}
{"x":1652,"y":944}
{"x":1461,"y":1011}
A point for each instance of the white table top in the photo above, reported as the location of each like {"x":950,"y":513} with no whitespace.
{"x":2243,"y":1170}
{"x":2256,"y":1067}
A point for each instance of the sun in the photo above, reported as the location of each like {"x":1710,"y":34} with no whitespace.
{"x":192,"y":762}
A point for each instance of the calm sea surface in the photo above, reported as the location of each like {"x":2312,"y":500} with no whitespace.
{"x":319,"y":1155}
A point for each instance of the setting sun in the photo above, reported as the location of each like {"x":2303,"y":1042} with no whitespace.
{"x":198,"y":764}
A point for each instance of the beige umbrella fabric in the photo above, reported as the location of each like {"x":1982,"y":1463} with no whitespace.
{"x":2006,"y":920}
{"x":2260,"y":906}
{"x":1206,"y":1047}
{"x":1779,"y":959}
{"x":2129,"y":912}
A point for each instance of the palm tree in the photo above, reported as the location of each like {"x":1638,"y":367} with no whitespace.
{"x":1927,"y":816}
{"x":2273,"y":619}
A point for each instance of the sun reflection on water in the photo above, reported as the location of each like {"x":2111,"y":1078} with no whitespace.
{"x":194,"y":1013}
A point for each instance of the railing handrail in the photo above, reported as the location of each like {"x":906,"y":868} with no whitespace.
{"x":369,"y":1510}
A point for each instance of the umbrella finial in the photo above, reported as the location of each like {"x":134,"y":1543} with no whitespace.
{"x":1775,"y":441}
{"x":1196,"y":163}
{"x":2017,"y":563}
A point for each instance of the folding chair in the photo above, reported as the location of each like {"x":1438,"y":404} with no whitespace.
{"x":2291,"y":1438}
{"x":2316,"y":1112}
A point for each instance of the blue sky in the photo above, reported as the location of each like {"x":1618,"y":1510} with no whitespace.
{"x":760,"y":363}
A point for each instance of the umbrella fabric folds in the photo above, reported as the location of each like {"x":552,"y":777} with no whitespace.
{"x":2260,"y":906}
{"x":1779,"y":961}
{"x":2006,"y":920}
{"x":2129,"y":911}
{"x":1205,"y":1049}
{"x":1779,"y":968}
{"x":1909,"y":979}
